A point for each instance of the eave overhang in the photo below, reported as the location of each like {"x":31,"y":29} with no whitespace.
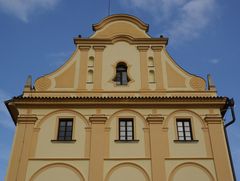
{"x":114,"y":102}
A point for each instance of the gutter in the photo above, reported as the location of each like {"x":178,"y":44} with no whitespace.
{"x":230,"y":103}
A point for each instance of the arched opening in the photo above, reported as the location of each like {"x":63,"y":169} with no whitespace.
{"x":91,"y":61}
{"x":150,"y":62}
{"x":90,"y":76}
{"x":151,"y":76}
{"x":121,"y":77}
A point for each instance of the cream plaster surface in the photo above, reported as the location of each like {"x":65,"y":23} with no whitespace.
{"x":121,"y":52}
{"x":48,"y":132}
{"x":127,"y":149}
{"x":186,"y":149}
{"x":138,"y":166}
{"x":39,"y":166}
{"x":193,"y":169}
{"x":120,"y":28}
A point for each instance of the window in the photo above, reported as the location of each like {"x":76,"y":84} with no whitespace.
{"x":121,"y":77}
{"x":65,"y":128}
{"x":126,"y":131}
{"x":184,"y":130}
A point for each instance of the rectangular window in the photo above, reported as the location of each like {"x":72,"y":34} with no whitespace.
{"x":65,"y":129}
{"x":184,"y":130}
{"x":126,"y":131}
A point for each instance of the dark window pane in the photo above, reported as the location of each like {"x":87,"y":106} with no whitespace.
{"x":62,"y":129}
{"x":61,"y":133}
{"x":68,"y":138}
{"x":124,"y":78}
{"x":121,"y":77}
{"x":65,"y":129}
{"x":60,"y":138}
{"x":69,"y":129}
{"x":62,"y":123}
{"x":69,"y":123}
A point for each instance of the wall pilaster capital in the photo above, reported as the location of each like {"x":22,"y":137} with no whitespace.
{"x":84,"y":48}
{"x":98,"y":119}
{"x":143,"y":48}
{"x":99,"y":48}
{"x":157,"y":48}
{"x":27,"y":119}
{"x":213,"y":118}
{"x":155,"y":119}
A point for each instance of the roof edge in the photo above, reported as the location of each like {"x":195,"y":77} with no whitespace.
{"x":118,"y":17}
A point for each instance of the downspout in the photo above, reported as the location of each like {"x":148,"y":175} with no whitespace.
{"x":230,"y":103}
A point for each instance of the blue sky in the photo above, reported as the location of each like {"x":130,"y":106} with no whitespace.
{"x":36,"y":37}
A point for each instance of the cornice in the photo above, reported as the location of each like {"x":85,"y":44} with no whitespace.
{"x":113,"y":102}
{"x":214,"y":102}
{"x":134,"y":41}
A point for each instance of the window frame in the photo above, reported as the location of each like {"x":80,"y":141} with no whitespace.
{"x":125,"y":120}
{"x":66,"y":120}
{"x":121,"y":74}
{"x":183,"y":120}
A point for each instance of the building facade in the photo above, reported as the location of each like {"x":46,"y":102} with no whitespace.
{"x":119,"y":109}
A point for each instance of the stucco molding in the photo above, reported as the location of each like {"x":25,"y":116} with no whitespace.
{"x":120,"y":17}
{"x":127,"y":164}
{"x":130,"y":111}
{"x":193,"y":164}
{"x":213,"y":119}
{"x":27,"y":119}
{"x":188,"y":112}
{"x":48,"y":166}
{"x":57,"y":112}
{"x":127,"y":38}
{"x":155,"y":119}
{"x":98,"y":119}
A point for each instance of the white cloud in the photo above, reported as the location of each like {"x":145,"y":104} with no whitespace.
{"x":22,"y":9}
{"x":181,"y":19}
{"x":214,"y":61}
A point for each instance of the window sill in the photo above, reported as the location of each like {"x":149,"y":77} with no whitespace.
{"x":126,"y":141}
{"x":185,"y":141}
{"x":63,"y":141}
{"x":122,"y":85}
